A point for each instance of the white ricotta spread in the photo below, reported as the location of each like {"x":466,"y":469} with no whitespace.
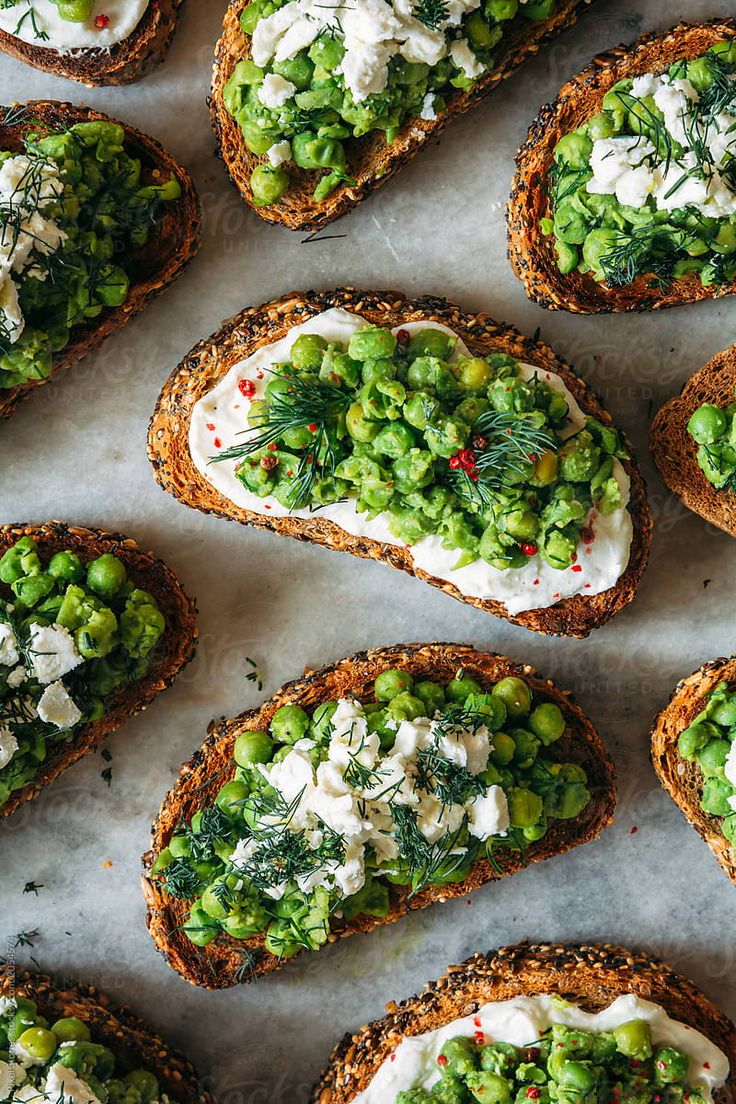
{"x":40,"y":22}
{"x":53,"y":652}
{"x":521,"y":1021}
{"x":630,"y":168}
{"x":8,"y":748}
{"x":221,"y":415}
{"x":57,"y":707}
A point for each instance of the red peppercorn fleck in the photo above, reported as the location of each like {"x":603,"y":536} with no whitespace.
{"x":576,"y":567}
{"x":272,"y":446}
{"x":102,"y":21}
{"x":442,"y":1060}
{"x":247,"y":387}
{"x":210,"y":426}
{"x":218,"y":442}
{"x":269,"y":462}
{"x":455,"y":462}
{"x":533,"y":1093}
{"x":312,"y":427}
{"x":529,"y":549}
{"x":587,"y":535}
{"x":403,"y":337}
{"x":480,"y":1038}
{"x":478,"y":442}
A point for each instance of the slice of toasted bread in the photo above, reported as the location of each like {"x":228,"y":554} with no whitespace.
{"x":591,"y":976}
{"x":370,"y":161}
{"x":682,"y":779}
{"x":171,"y":245}
{"x":531,"y":254}
{"x":122,"y":63}
{"x":211,"y":359}
{"x":226,"y":962}
{"x":133,"y":1042}
{"x":675,"y":451}
{"x":174,"y":650}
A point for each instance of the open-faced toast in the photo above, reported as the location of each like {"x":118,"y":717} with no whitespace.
{"x":173,"y":652}
{"x":591,"y":976}
{"x":212,"y":358}
{"x":683,"y":779}
{"x":370,"y":160}
{"x":170,"y":247}
{"x":133,"y":1042}
{"x":675,"y":451}
{"x":121,"y":63}
{"x":226,"y":962}
{"x":531,"y":253}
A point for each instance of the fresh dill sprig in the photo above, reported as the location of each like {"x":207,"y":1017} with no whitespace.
{"x":32,"y":887}
{"x":180,"y":880}
{"x":26,"y":938}
{"x":249,"y":958}
{"x":720,"y":95}
{"x":432,"y":13}
{"x":510,"y":442}
{"x":428,"y":861}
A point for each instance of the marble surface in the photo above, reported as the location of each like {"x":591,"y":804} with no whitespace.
{"x":77,"y":451}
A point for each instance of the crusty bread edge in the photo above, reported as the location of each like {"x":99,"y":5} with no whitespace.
{"x":676,"y":774}
{"x":180,"y":221}
{"x":220,"y":964}
{"x":212,"y":358}
{"x":530,"y":253}
{"x":589,"y":975}
{"x":173,"y":652}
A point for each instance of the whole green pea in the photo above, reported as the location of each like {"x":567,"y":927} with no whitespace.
{"x":432,"y":343}
{"x":69,"y":1029}
{"x":489,"y":1087}
{"x":38,"y":1042}
{"x":502,"y":749}
{"x":200,"y":928}
{"x":515,"y":695}
{"x":578,"y":1076}
{"x":106,"y":575}
{"x":230,"y":797}
{"x":405,"y":707}
{"x":525,"y":807}
{"x":268,"y":184}
{"x":547,"y":722}
{"x":707,"y":424}
{"x":634,"y":1039}
{"x":289,"y":724}
{"x":670,"y":1065}
{"x":307,"y":353}
{"x":461,"y":687}
{"x":66,"y":566}
{"x":725,"y":712}
{"x":253,"y":747}
{"x":144,"y":1082}
{"x":389,"y":684}
{"x":372,"y":343}
{"x":432,"y":694}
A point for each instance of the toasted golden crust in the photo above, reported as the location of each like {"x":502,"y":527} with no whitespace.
{"x":370,"y":160}
{"x":221,"y":964}
{"x":675,"y":451}
{"x":167,"y":253}
{"x":172,"y":653}
{"x":132,"y":1042}
{"x":592,"y":976}
{"x":123,"y":63}
{"x":531,"y":254}
{"x":212,"y":358}
{"x":683,"y":780}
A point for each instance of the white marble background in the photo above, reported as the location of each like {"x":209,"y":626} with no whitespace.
{"x":77,"y":451}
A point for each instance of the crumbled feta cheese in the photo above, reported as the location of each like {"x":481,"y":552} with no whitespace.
{"x":27,"y":1094}
{"x":674,"y":99}
{"x":436,"y":820}
{"x":16,"y":677}
{"x":53,"y":652}
{"x":729,"y":768}
{"x":465,"y":59}
{"x":64,"y":1087}
{"x":56,"y":707}
{"x":275,"y":91}
{"x":279,"y":152}
{"x":8,"y":646}
{"x":7,"y":1004}
{"x":428,"y":112}
{"x":7,"y":1081}
{"x":8,"y":746}
{"x":489,"y":814}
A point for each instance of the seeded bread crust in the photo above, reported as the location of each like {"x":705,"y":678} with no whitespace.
{"x":370,"y":160}
{"x":221,"y":964}
{"x":132,"y":1041}
{"x":683,"y":780}
{"x":530,"y":253}
{"x":167,"y":253}
{"x":675,"y":451}
{"x":174,"y":650}
{"x":122,"y":63}
{"x":591,"y":976}
{"x":211,"y":359}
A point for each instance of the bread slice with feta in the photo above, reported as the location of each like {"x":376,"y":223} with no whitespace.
{"x":121,"y":62}
{"x":221,"y":963}
{"x":167,"y":253}
{"x":173,"y":652}
{"x":683,"y":779}
{"x":531,"y":253}
{"x":675,"y":451}
{"x":591,"y":976}
{"x":371,"y":161}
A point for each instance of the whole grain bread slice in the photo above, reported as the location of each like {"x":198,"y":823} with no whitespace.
{"x":531,"y":253}
{"x":682,"y":779}
{"x":675,"y":451}
{"x":370,"y":160}
{"x":212,"y":358}
{"x":590,"y":975}
{"x":174,"y":650}
{"x":172,"y":243}
{"x":122,"y":63}
{"x":132,"y":1041}
{"x":227,"y":962}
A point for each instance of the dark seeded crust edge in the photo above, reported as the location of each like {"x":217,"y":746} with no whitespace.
{"x":675,"y":452}
{"x":370,"y":160}
{"x":131,"y":1040}
{"x":216,"y":966}
{"x":212,"y":358}
{"x":682,"y":779}
{"x":122,"y":63}
{"x":165,"y":256}
{"x":590,"y":975}
{"x":530,"y":253}
{"x":173,"y":652}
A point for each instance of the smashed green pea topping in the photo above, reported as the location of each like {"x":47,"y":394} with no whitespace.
{"x":464,"y":447}
{"x":713,"y":428}
{"x":710,"y":741}
{"x":85,"y":187}
{"x":565,"y":1066}
{"x":677,"y":215}
{"x":323,"y":112}
{"x":63,"y":1063}
{"x":329,"y":809}
{"x":70,"y":635}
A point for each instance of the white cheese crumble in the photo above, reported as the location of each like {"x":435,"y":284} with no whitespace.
{"x":16,"y":677}
{"x":428,"y":112}
{"x":275,"y":90}
{"x":8,"y":747}
{"x":729,"y":768}
{"x":63,"y":1086}
{"x":7,"y":1080}
{"x":8,"y":646}
{"x":279,"y":152}
{"x":57,"y":707}
{"x":53,"y":652}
